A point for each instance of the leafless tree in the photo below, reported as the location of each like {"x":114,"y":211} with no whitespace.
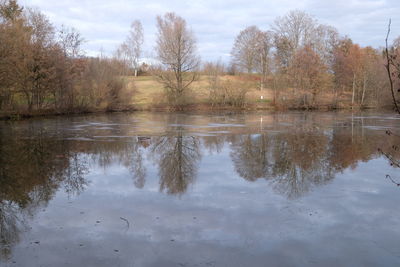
{"x":176,"y":51}
{"x":130,"y":50}
{"x":263,"y":47}
{"x":133,"y":45}
{"x":292,"y":31}
{"x":391,"y":64}
{"x":324,"y":41}
{"x":71,"y":41}
{"x":244,"y":52}
{"x":214,"y":72}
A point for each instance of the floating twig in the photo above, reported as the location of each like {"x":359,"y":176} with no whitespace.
{"x":391,"y":179}
{"x":127,"y":222}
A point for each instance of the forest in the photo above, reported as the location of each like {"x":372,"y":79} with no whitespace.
{"x":296,"y":63}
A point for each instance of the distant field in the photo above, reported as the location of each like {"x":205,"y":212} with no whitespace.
{"x":149,"y":92}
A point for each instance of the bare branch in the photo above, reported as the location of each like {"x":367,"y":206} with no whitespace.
{"x":389,"y":63}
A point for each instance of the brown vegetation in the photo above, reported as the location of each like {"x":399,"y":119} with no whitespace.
{"x":299,"y":63}
{"x":313,"y":61}
{"x":42,"y":69}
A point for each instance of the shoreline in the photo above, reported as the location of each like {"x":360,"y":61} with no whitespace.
{"x":14,"y":116}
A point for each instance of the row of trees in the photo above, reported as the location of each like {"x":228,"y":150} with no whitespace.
{"x":43,"y":68}
{"x":309,"y":57}
{"x":298,"y":53}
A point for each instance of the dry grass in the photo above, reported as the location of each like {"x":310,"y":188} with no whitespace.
{"x":150,"y":93}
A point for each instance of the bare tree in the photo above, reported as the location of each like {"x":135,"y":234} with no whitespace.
{"x":71,"y":41}
{"x":324,"y":41}
{"x":244,"y":51}
{"x":292,"y":31}
{"x":263,"y":47}
{"x":130,"y":50}
{"x":133,"y":45}
{"x":214,"y":71}
{"x":122,"y":56}
{"x":390,"y":65}
{"x":176,"y":51}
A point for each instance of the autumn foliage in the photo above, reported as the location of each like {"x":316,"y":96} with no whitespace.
{"x":43,"y":69}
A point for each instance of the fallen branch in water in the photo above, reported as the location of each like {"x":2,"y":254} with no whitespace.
{"x":127,"y":222}
{"x":393,"y":162}
{"x":391,"y":179}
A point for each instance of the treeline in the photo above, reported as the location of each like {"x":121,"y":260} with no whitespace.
{"x":302,"y":63}
{"x":43,"y":68}
{"x":305,"y":62}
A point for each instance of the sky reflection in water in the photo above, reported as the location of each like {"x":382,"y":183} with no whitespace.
{"x":152,"y":189}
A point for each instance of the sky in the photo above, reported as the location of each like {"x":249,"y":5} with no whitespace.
{"x":105,"y":23}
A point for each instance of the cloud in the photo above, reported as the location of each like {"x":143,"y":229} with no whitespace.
{"x":105,"y":23}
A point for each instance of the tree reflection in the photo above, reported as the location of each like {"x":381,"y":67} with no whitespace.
{"x":33,"y":165}
{"x":250,"y":157}
{"x":177,"y":157}
{"x":214,"y":144}
{"x":10,"y":226}
{"x":293,"y":161}
{"x":136,"y":166}
{"x":73,"y":176}
{"x":300,"y":162}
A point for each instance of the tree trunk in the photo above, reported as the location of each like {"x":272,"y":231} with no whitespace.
{"x":364,"y":89}
{"x":354,"y":89}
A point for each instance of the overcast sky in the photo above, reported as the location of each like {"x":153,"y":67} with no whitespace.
{"x":105,"y":23}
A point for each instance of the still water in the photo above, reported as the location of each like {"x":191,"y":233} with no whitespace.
{"x":156,"y":189}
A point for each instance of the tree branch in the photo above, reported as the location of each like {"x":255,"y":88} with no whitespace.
{"x":388,"y":64}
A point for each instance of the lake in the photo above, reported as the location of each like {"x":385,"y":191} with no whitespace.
{"x":224,"y":189}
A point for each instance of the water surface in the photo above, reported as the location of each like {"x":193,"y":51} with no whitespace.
{"x":155,"y":189}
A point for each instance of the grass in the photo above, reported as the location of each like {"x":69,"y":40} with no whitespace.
{"x":149,"y":92}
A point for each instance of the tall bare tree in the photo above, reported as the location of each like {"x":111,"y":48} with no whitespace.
{"x":392,"y":67}
{"x":244,"y":50}
{"x":264,"y":45}
{"x":292,"y":31}
{"x":176,"y":51}
{"x":130,"y":50}
{"x":134,"y":44}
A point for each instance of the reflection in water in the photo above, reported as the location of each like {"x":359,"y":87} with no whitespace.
{"x":177,"y":158}
{"x":293,"y":161}
{"x":300,"y":161}
{"x":38,"y":158}
{"x":11,"y":224}
{"x":250,"y":156}
{"x":134,"y":161}
{"x":33,"y":166}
